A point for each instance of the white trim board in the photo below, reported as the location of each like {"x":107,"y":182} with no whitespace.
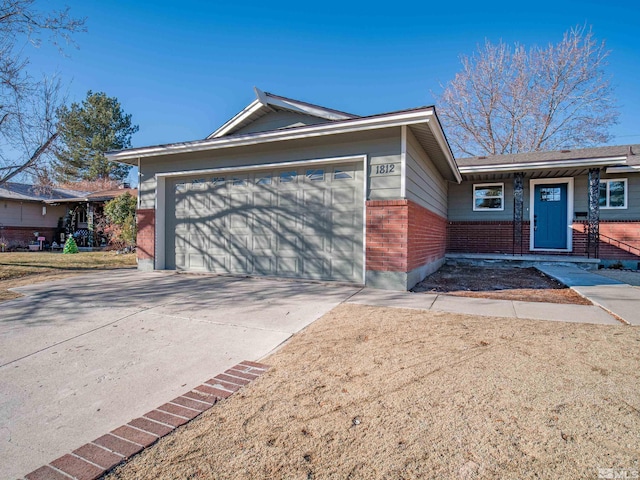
{"x":346,"y":126}
{"x":547,"y":181}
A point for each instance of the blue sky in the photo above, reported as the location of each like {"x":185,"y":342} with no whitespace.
{"x":184,"y":68}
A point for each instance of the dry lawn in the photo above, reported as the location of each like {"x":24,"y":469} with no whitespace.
{"x":371,"y":392}
{"x":18,"y":269}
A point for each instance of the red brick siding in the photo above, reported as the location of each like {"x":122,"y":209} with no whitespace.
{"x":146,"y":241}
{"x":402,"y":236}
{"x":25,"y":234}
{"x":387,"y":235}
{"x":497,"y":237}
{"x":427,"y":236}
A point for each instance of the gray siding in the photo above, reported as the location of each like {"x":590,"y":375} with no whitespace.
{"x":381,"y":146}
{"x":425,"y":185}
{"x":278,"y":120}
{"x":632,"y":212}
{"x":29,"y":214}
{"x":461,"y":203}
{"x":461,"y":200}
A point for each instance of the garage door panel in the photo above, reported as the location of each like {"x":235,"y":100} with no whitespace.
{"x":263,"y":265}
{"x":288,"y":243}
{"x":315,"y":267}
{"x":288,"y":266}
{"x":262,"y":243}
{"x":239,"y":221}
{"x":239,"y":242}
{"x":304,"y":222}
{"x":218,"y":263}
{"x":197,"y":261}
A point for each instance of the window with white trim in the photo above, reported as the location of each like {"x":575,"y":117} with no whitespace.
{"x":488,"y":196}
{"x":613,"y":193}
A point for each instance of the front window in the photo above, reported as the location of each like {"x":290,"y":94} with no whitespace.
{"x":613,"y":193}
{"x":488,"y":196}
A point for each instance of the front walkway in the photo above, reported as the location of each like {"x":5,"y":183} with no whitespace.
{"x":619,"y":298}
{"x":610,"y":296}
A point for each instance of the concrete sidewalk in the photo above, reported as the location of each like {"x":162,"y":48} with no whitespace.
{"x":616,"y":297}
{"x":485,"y":306}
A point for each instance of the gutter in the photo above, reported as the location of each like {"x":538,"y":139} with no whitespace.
{"x":508,"y":167}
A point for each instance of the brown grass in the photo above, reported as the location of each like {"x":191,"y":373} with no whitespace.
{"x":18,"y":269}
{"x":371,"y":392}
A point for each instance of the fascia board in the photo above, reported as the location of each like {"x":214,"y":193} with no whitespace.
{"x":509,"y":167}
{"x":438,"y":133}
{"x":311,"y":131}
{"x":306,"y":109}
{"x":249,"y":110}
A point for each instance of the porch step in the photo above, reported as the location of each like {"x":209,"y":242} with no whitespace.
{"x":497,"y":259}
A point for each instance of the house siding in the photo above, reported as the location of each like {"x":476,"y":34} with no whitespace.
{"x":380,"y":147}
{"x":29,"y":214}
{"x":425,"y":185}
{"x":279,"y":120}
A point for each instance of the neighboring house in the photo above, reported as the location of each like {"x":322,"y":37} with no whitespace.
{"x":53,"y":213}
{"x":541,"y":203}
{"x":83,"y":212}
{"x":24,"y":211}
{"x":290,"y":189}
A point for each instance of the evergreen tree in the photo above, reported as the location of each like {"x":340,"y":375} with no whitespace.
{"x":87,"y":131}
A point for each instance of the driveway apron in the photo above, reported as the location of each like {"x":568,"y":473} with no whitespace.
{"x":83,"y":356}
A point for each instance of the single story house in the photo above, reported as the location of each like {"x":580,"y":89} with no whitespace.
{"x":52,"y":213}
{"x":24,"y":211}
{"x":291,"y":189}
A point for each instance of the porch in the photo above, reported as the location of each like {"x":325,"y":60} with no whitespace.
{"x":528,"y":260}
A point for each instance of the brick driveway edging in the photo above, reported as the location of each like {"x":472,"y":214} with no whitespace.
{"x":94,"y":459}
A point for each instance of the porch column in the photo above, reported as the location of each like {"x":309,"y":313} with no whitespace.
{"x":593,"y":216}
{"x":90,"y":225}
{"x":518,"y":208}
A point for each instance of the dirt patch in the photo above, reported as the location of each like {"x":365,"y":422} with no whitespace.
{"x":372,"y":392}
{"x":504,"y":283}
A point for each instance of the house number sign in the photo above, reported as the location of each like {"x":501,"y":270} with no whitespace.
{"x":384,"y":169}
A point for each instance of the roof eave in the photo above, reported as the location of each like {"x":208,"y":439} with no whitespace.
{"x":131,"y":156}
{"x":516,"y":167}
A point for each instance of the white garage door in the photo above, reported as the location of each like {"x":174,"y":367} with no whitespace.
{"x":304,"y":222}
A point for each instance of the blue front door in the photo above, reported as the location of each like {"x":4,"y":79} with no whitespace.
{"x":550,"y":216}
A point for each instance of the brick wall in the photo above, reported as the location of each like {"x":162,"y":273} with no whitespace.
{"x":427,"y":236}
{"x":24,"y":235}
{"x":387,"y":235}
{"x":402,"y":236}
{"x":146,"y":241}
{"x":497,"y":237}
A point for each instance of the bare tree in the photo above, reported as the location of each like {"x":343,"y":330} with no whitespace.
{"x":512,"y":100}
{"x":28,"y":104}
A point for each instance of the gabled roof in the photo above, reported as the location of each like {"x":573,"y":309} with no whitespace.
{"x":422,"y":120}
{"x":27,"y":192}
{"x":622,"y":155}
{"x":267,"y":102}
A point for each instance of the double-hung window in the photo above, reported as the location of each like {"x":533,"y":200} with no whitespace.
{"x":488,"y":196}
{"x":613,"y":193}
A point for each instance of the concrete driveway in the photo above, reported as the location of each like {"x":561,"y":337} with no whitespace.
{"x":82,"y":356}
